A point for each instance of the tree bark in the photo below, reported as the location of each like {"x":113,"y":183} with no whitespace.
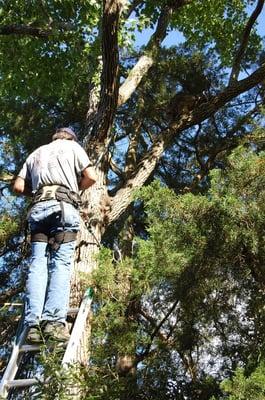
{"x":103,"y":120}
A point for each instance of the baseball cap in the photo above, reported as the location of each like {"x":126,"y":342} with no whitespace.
{"x":67,"y":130}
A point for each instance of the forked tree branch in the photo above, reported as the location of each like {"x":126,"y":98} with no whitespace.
{"x":156,"y":331}
{"x":146,"y":61}
{"x":244,"y":42}
{"x":201,"y":112}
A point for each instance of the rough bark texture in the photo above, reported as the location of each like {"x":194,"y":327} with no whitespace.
{"x":109,"y":78}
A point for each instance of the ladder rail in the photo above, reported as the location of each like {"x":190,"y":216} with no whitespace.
{"x":75,"y":341}
{"x":71,"y":354}
{"x":13,"y":364}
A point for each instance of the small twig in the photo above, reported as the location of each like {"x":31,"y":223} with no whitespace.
{"x":156,"y":330}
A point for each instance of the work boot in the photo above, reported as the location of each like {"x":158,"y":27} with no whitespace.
{"x":34,"y":335}
{"x":56,"y":331}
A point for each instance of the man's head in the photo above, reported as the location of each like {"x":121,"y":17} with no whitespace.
{"x":64,"y":133}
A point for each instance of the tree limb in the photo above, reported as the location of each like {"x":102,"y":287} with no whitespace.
{"x":201,"y":112}
{"x":132,"y":8}
{"x":162,"y":336}
{"x":114,"y":167}
{"x":146,"y":61}
{"x":29,"y":30}
{"x":25,"y":30}
{"x":156,"y":330}
{"x":244,"y":42}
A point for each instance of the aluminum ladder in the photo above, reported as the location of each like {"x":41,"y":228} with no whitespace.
{"x":73,"y":350}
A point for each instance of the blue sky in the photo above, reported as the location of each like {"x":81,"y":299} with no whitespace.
{"x":174,"y":37}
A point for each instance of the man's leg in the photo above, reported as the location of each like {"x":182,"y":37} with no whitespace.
{"x":60,"y":268}
{"x":36,"y":283}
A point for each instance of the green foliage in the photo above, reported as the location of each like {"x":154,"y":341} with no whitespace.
{"x":42,"y":77}
{"x":8,"y":227}
{"x":205,"y":254}
{"x":58,"y":382}
{"x":241,"y":387}
{"x":218,"y":23}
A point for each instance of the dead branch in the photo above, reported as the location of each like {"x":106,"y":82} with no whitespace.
{"x":156,"y":331}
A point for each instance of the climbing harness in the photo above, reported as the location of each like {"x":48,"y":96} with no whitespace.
{"x":63,"y":195}
{"x":54,"y":240}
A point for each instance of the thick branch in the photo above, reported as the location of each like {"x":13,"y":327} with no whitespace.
{"x":148,"y":58}
{"x":25,"y":30}
{"x":201,"y":112}
{"x":244,"y":41}
{"x":29,"y":30}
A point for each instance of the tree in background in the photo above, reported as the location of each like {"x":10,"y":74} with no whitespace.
{"x":195,"y":308}
{"x":175,"y":113}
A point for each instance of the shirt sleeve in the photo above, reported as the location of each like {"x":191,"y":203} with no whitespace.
{"x":81,"y":159}
{"x":24,"y":172}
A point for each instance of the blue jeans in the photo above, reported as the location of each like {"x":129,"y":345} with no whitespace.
{"x":48,"y":281}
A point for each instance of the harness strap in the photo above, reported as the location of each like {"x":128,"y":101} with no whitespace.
{"x":54,"y":241}
{"x":39,"y":237}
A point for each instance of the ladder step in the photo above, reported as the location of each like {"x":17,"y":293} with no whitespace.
{"x":25,"y":348}
{"x":73,"y":311}
{"x":29,"y":348}
{"x":20,"y":347}
{"x":21,"y":382}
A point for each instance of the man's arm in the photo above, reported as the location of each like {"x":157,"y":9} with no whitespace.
{"x":20,"y":187}
{"x":88,"y":178}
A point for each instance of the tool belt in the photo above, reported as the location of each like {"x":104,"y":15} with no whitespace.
{"x":56,"y":192}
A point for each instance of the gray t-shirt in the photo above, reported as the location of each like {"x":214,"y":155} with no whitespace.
{"x":59,"y":162}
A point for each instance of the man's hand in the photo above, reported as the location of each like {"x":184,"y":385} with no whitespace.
{"x":88,"y":178}
{"x":20,"y":187}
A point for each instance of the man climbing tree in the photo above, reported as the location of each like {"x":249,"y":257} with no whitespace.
{"x":55,"y":173}
{"x":172,"y":112}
